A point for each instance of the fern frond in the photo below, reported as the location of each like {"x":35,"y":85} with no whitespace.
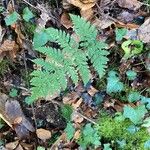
{"x":69,"y":60}
{"x":96,"y":50}
{"x":84,"y":29}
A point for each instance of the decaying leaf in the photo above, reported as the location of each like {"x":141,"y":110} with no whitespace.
{"x":76,"y":105}
{"x":9,"y":46}
{"x":43,"y":134}
{"x":103,"y":23}
{"x":85,"y":7}
{"x":3,"y":99}
{"x":12,"y":145}
{"x":82,"y":4}
{"x":144,"y":32}
{"x":19,"y":147}
{"x":65,"y":20}
{"x":129,"y":4}
{"x":20,"y":124}
{"x":87,"y":14}
{"x":77,"y":134}
{"x":44,"y":17}
{"x":76,"y":118}
{"x":20,"y":36}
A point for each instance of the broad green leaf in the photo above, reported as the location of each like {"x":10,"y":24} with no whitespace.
{"x":13,"y":92}
{"x":113,"y":83}
{"x":133,"y":96}
{"x":89,"y":136}
{"x":131,"y":75}
{"x":135,"y":114}
{"x":27,"y":14}
{"x":120,"y":33}
{"x":70,"y":130}
{"x":40,"y":38}
{"x":12,"y":18}
{"x":145,"y":100}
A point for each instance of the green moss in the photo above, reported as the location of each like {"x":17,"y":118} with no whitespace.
{"x":4,"y":65}
{"x":29,"y":28}
{"x":113,"y":130}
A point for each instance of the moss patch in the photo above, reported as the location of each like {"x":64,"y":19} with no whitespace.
{"x":113,"y":130}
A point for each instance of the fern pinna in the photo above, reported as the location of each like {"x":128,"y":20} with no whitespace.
{"x":69,"y":60}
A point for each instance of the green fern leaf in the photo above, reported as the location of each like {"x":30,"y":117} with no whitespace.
{"x":68,"y":60}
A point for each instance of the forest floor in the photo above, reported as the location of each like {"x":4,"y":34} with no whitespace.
{"x":111,"y":112}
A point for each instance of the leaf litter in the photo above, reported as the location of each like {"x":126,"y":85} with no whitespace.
{"x":117,"y":21}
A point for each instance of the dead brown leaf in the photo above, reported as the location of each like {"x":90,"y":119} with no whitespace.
{"x":9,"y":46}
{"x":87,"y":14}
{"x":77,"y":134}
{"x":144,"y":31}
{"x":3,"y":99}
{"x":65,"y":20}
{"x":129,"y":4}
{"x":102,"y":23}
{"x":43,"y":134}
{"x":44,"y":17}
{"x":12,"y":145}
{"x":19,"y":147}
{"x":77,"y":104}
{"x":27,"y":146}
{"x":77,"y":118}
{"x":20,"y":36}
{"x":82,"y":4}
{"x":16,"y":117}
{"x":92,"y":91}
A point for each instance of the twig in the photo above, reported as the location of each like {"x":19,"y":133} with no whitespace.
{"x":30,"y":4}
{"x":83,"y":116}
{"x":55,"y":143}
{"x":18,"y":87}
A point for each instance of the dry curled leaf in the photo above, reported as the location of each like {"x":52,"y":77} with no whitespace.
{"x":102,"y":23}
{"x":76,"y":117}
{"x":12,"y":145}
{"x":3,"y":99}
{"x":20,"y":36}
{"x":65,"y":20}
{"x":87,"y":14}
{"x":129,"y":4}
{"x":77,"y":104}
{"x":144,"y":32}
{"x":82,"y":4}
{"x":77,"y":134}
{"x":44,"y":17}
{"x":43,"y":134}
{"x":16,"y":117}
{"x":9,"y":46}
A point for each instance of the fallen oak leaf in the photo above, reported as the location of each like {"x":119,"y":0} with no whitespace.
{"x":19,"y":122}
